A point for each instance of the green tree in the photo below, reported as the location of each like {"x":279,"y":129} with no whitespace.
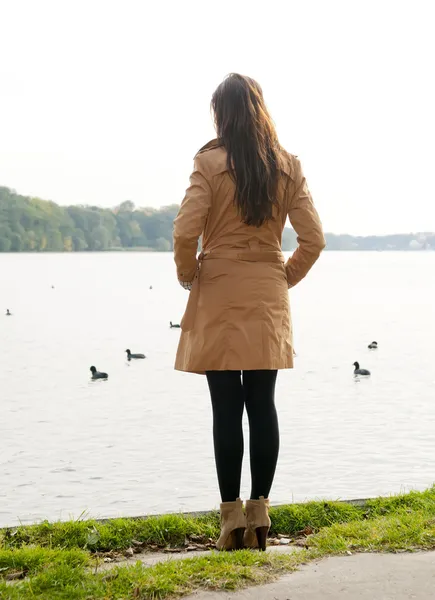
{"x":78,"y":240}
{"x":17,"y":243}
{"x":100,"y":238}
{"x":162,"y":245}
{"x":126,"y":206}
{"x":5,"y":238}
{"x":5,"y":244}
{"x":55,"y":241}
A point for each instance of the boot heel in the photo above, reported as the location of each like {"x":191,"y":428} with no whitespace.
{"x":238,"y":538}
{"x":261,"y":533}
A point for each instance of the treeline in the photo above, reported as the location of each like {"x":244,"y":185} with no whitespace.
{"x":34,"y":225}
{"x":398,"y":241}
{"x":30,"y":224}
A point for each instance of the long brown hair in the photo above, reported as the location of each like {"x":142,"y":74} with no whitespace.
{"x":246,"y":130}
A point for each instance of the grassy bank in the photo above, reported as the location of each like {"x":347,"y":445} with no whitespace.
{"x":62,"y":560}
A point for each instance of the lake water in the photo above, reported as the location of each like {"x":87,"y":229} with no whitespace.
{"x":141,"y":442}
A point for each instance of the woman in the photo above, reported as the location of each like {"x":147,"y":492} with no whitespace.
{"x":237,"y":328}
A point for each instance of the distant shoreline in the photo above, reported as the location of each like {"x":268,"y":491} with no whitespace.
{"x":29,"y":225}
{"x":153,"y":251}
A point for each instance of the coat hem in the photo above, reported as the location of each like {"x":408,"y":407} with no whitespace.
{"x":203,"y":372}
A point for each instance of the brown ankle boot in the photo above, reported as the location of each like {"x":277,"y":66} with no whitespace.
{"x":257,"y":523}
{"x":233,"y":524}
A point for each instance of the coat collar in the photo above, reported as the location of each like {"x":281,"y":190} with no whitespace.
{"x":286,"y":162}
{"x":210,"y":146}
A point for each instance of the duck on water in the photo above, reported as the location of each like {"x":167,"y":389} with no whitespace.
{"x":8,"y":313}
{"x":373,"y":346}
{"x":130,"y":355}
{"x":359,"y":371}
{"x":98,"y":374}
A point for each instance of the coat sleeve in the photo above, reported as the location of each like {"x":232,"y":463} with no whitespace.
{"x":190,"y":222}
{"x":306,"y":223}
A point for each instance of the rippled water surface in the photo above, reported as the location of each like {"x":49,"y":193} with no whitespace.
{"x":141,"y":442}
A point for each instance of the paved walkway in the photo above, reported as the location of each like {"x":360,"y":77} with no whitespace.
{"x":357,"y":577}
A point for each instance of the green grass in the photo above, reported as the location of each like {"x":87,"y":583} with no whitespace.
{"x":30,"y":560}
{"x":172,"y":530}
{"x":412,"y":501}
{"x":172,"y":579}
{"x":292,"y":518}
{"x":58,"y":559}
{"x":404,"y":531}
{"x":116,"y":534}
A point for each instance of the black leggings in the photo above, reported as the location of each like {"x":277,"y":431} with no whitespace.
{"x":230,"y":393}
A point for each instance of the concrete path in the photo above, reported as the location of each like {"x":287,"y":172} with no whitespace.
{"x":357,"y":577}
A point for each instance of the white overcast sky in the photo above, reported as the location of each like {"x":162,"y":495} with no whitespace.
{"x":103,"y":101}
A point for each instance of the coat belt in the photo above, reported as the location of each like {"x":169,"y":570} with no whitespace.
{"x":248,"y":255}
{"x":273,"y":256}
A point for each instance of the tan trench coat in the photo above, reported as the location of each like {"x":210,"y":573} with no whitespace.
{"x":238,"y":313}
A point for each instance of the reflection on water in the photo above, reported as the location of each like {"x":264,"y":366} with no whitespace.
{"x":141,"y":442}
